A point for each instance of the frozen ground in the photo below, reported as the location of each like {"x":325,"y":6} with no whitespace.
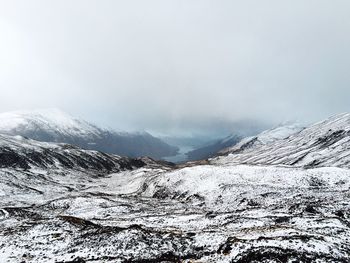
{"x":196,"y":214}
{"x":284,"y":199}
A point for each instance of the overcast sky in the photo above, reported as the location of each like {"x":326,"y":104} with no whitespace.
{"x":176,"y":65}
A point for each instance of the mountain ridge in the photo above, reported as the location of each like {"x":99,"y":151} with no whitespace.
{"x":213,"y":148}
{"x":325,"y":143}
{"x":54,"y":125}
{"x":23,"y":153}
{"x":221,"y":210}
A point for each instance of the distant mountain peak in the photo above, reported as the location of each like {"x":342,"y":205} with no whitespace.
{"x":55,"y":125}
{"x":51,"y":120}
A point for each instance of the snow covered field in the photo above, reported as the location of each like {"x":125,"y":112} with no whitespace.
{"x":206,"y":213}
{"x":283,"y":199}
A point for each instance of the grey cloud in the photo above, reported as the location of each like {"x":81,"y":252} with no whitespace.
{"x":168,"y":66}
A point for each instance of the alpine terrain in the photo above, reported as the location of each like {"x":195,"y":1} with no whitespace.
{"x":280,"y":196}
{"x":53,"y":125}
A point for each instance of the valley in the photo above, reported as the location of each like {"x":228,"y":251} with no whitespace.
{"x":231,"y":208}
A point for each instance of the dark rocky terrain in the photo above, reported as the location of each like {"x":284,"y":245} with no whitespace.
{"x":213,"y":148}
{"x":20,"y":153}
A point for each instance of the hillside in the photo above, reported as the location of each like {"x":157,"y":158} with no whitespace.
{"x":213,"y":148}
{"x":322,"y":144}
{"x":53,"y":125}
{"x":71,"y":205}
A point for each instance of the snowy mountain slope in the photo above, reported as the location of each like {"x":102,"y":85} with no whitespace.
{"x":269,"y":136}
{"x":54,"y":122}
{"x":326,"y":143}
{"x":53,"y":125}
{"x":19,"y":152}
{"x":234,"y":214}
{"x":220,"y":212}
{"x":31,"y":169}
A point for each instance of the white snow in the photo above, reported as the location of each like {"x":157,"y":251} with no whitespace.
{"x":53,"y":120}
{"x":141,"y":214}
{"x":280,"y":132}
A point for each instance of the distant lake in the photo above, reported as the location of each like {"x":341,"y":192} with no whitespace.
{"x":181,"y":156}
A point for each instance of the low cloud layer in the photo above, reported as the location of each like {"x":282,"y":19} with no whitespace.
{"x":176,"y":66}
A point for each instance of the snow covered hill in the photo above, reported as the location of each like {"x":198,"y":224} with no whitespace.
{"x":53,"y":125}
{"x":236,"y":140}
{"x":243,"y":207}
{"x":19,"y":152}
{"x":326,"y":143}
{"x":31,"y":169}
{"x":266,"y":137}
{"x":53,"y":122}
{"x":203,"y":213}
